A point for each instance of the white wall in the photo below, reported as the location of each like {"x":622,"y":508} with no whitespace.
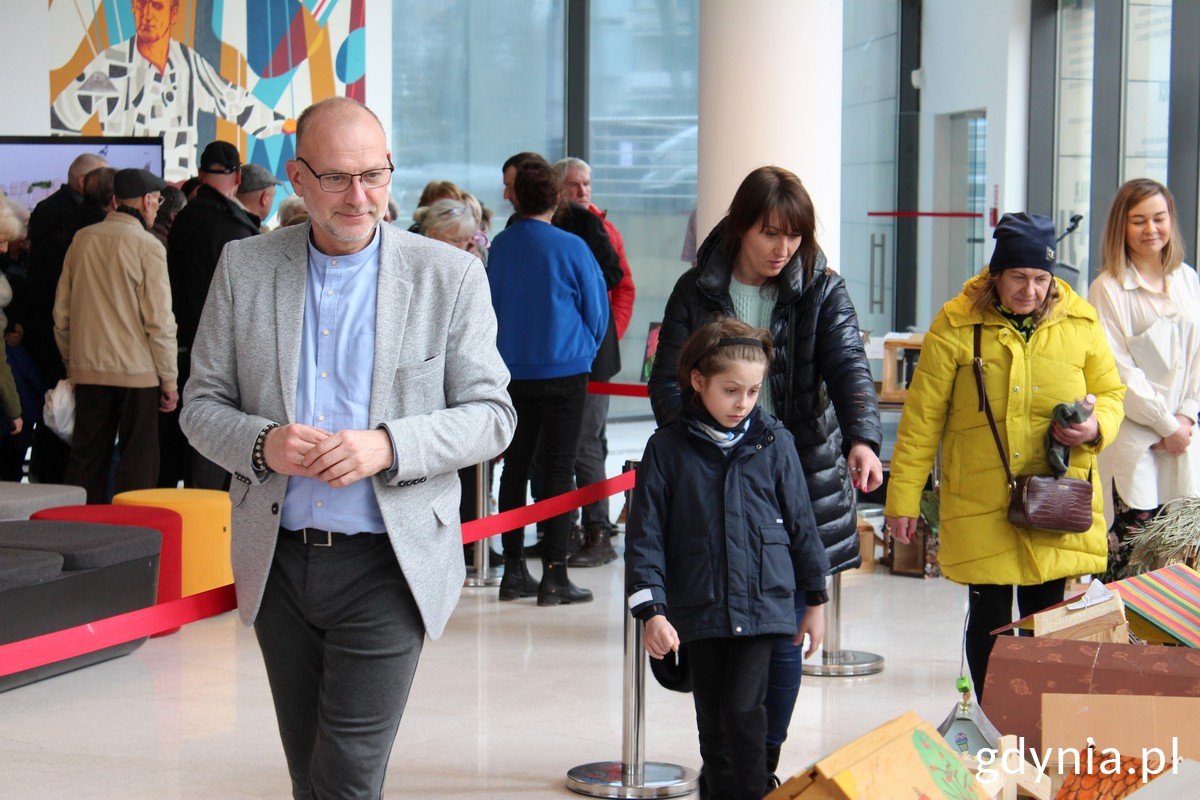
{"x":25,"y":90}
{"x":975,"y":57}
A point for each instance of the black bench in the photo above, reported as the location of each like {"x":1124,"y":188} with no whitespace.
{"x":56,"y":575}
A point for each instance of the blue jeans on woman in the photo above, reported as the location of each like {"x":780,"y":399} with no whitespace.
{"x":783,"y":684}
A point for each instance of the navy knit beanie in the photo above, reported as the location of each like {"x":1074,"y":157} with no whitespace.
{"x":1023,"y":241}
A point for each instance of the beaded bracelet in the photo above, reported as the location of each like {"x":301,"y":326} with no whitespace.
{"x":257,"y":459}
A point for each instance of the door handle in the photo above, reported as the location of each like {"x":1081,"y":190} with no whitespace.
{"x":878,"y":243}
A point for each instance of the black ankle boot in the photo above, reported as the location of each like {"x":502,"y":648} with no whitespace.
{"x":773,"y":781}
{"x":517,"y":582}
{"x":597,"y":548}
{"x":556,"y":588}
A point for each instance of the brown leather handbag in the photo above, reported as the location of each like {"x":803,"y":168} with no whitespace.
{"x":1042,"y":502}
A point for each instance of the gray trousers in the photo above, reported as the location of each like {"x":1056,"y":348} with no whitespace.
{"x":340,"y":635}
{"x":590,"y":455}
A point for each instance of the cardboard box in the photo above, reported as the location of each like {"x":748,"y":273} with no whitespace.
{"x":905,"y":752}
{"x":1132,"y":725}
{"x":1022,"y":669}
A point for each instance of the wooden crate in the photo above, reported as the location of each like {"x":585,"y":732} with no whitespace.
{"x":867,"y":542}
{"x":918,"y":558}
{"x":893,"y":357}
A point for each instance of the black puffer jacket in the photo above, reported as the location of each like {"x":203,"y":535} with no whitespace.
{"x":722,"y":542}
{"x":821,"y":383}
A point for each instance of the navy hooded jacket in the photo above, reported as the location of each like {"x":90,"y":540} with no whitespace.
{"x":723,"y":542}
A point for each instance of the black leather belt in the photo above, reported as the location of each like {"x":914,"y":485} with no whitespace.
{"x":319,"y":538}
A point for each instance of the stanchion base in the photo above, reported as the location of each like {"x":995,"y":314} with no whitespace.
{"x":603,"y":779}
{"x":490,"y":578}
{"x":844,"y":663}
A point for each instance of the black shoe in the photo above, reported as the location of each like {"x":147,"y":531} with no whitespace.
{"x":773,"y":781}
{"x":517,"y":582}
{"x":575,"y":542}
{"x":556,"y":588}
{"x":597,"y":548}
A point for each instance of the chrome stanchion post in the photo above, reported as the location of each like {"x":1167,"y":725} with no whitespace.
{"x":633,"y":745}
{"x":482,"y":574}
{"x":836,"y":662}
{"x":632,"y":776}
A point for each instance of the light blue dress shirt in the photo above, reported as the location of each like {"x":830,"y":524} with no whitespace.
{"x":333,"y":387}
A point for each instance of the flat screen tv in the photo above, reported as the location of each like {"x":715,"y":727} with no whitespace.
{"x":33,"y":167}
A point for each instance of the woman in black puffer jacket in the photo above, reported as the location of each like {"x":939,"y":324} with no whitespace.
{"x":762,"y":265}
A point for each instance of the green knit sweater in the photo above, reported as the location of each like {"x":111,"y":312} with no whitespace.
{"x":753,"y":305}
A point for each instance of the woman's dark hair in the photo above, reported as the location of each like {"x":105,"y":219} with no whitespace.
{"x":535,"y":188}
{"x":173,"y":200}
{"x":773,"y":196}
{"x":704,"y":353}
{"x":522,"y":158}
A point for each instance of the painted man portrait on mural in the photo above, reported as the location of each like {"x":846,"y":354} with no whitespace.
{"x":151,"y":84}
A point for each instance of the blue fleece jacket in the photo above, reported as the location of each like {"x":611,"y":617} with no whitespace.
{"x":550,"y":300}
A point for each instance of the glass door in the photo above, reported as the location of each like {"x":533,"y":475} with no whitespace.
{"x":870,"y":80}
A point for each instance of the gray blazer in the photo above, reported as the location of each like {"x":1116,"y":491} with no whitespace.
{"x":438,"y":384}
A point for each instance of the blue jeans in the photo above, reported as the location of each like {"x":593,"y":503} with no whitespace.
{"x":783,"y":685}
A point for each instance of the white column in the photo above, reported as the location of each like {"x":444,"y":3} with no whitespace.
{"x":771,"y":93}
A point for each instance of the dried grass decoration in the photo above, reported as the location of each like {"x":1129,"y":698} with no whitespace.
{"x":1170,"y":538}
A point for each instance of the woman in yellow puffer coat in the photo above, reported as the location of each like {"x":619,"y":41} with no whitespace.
{"x":1041,"y":345}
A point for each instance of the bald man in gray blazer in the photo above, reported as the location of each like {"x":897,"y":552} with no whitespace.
{"x":343,"y":371}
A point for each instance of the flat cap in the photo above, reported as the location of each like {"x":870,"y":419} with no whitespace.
{"x":132,"y":183}
{"x":255,"y":177}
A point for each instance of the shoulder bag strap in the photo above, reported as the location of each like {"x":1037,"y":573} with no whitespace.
{"x":986,"y":407}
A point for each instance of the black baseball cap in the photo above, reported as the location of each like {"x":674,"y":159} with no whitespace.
{"x":221,"y":158}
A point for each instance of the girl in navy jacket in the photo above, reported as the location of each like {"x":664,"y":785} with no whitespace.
{"x":721,"y":540}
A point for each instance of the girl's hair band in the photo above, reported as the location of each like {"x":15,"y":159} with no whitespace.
{"x":736,"y":340}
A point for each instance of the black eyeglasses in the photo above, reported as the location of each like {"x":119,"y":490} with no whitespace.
{"x":336,"y":182}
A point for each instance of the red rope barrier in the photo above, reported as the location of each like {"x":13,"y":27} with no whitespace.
{"x":60,"y":645}
{"x":545,"y":509}
{"x":619,"y":389}
{"x":92,"y":636}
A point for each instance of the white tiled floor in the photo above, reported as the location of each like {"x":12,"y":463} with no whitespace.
{"x":503,"y":705}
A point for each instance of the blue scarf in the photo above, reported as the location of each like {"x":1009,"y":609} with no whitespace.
{"x":702,"y":424}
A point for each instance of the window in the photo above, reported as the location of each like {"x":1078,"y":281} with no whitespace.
{"x":1147,"y":95}
{"x":642,"y":134}
{"x":474,"y":82}
{"x":870,"y":104}
{"x":1073,"y":129}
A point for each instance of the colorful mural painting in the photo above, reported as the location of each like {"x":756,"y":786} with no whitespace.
{"x":197,"y":70}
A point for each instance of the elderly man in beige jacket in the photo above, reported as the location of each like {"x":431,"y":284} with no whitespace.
{"x":114,"y":326}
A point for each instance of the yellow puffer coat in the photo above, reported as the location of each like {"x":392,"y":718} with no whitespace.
{"x":1066,"y":358}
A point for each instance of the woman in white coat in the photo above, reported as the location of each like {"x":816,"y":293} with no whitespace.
{"x":1149,"y":305}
